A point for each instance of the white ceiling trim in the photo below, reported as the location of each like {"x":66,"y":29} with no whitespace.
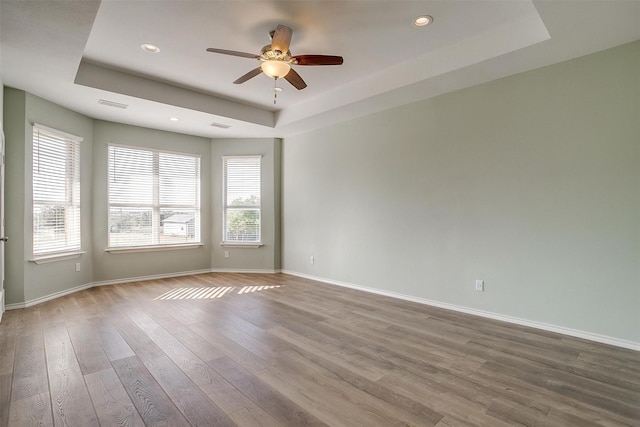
{"x":501,"y":40}
{"x":75,"y":52}
{"x":99,"y":77}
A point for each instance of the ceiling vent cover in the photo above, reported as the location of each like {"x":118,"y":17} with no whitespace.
{"x":112,"y":104}
{"x":220,"y":125}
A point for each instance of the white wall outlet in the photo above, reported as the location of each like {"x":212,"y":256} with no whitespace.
{"x":77,"y":267}
{"x":226,"y":254}
{"x":311,"y":259}
{"x":480,"y":285}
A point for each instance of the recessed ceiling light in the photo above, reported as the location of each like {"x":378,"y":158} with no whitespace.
{"x":174,"y":119}
{"x":423,"y":20}
{"x":151,"y":48}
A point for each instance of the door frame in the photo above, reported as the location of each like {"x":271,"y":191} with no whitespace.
{"x":2,"y":230}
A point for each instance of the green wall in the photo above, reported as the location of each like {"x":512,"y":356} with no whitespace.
{"x":14,"y":131}
{"x":267,"y":257}
{"x":117,"y":265}
{"x":531,"y":183}
{"x":27,"y":282}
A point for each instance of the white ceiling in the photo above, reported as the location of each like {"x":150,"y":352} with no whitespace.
{"x":75,"y":53}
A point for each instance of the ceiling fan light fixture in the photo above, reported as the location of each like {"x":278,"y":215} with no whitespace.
{"x":422,"y":21}
{"x":275,"y":69}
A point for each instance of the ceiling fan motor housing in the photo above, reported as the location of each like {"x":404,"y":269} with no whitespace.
{"x":269,"y":54}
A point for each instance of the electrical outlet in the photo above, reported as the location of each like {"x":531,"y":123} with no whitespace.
{"x":226,"y":254}
{"x":480,"y":285}
{"x":311,"y":259}
{"x":77,"y":267}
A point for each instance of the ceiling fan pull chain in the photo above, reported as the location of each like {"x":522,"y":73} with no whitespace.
{"x":275,"y":90}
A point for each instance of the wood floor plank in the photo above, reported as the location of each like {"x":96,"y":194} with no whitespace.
{"x":591,"y":397}
{"x":70,"y":401}
{"x":344,"y":402}
{"x":211,"y":383}
{"x":86,"y":344}
{"x":30,"y":370}
{"x":291,"y":351}
{"x":252,"y":415}
{"x":515,"y":414}
{"x":194,"y":342}
{"x":524,"y":392}
{"x":452,"y":406}
{"x":192,"y":402}
{"x":268,"y":399}
{"x":112,"y":404}
{"x":153,"y":405}
{"x":51,"y":313}
{"x":137,"y":340}
{"x":7,"y":349}
{"x":7,"y":353}
{"x":31,"y":411}
{"x":421,"y":413}
{"x":10,"y":319}
{"x":301,"y":342}
{"x":5,"y":398}
{"x":230,"y":348}
{"x":89,"y":305}
{"x":28,"y":322}
{"x":59,"y":349}
{"x":113,"y":345}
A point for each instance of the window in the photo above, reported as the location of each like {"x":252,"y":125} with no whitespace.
{"x":241,"y":199}
{"x":56,"y":192}
{"x":154,"y":198}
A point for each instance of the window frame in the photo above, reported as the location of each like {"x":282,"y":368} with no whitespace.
{"x":225,"y":205}
{"x":156,"y":206}
{"x":72,"y":199}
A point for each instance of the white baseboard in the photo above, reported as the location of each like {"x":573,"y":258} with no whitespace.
{"x":49,"y":297}
{"x":55,"y":295}
{"x":151,"y":277}
{"x":509,"y":319}
{"x":241,"y":270}
{"x":631,"y":345}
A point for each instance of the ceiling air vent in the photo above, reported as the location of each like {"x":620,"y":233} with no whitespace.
{"x":220,"y":125}
{"x":112,"y":104}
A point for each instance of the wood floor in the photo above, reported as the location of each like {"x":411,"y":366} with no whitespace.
{"x":272,"y":350}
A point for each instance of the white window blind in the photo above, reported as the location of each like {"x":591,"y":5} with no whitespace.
{"x":56,"y":192}
{"x":154,"y":198}
{"x":241,"y":177}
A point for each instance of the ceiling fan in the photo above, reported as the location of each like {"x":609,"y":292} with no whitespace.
{"x":277,"y":59}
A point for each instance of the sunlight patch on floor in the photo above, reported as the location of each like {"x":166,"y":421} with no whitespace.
{"x":210,"y":292}
{"x":248,"y":289}
{"x":197,"y":293}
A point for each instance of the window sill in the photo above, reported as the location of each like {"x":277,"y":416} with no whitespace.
{"x":43,"y":259}
{"x":129,"y":250}
{"x":251,"y":245}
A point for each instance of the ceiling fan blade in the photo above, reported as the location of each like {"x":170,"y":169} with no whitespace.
{"x":281,"y":39}
{"x":295,"y":79}
{"x":251,"y":74}
{"x":318,"y":60}
{"x":233,"y":53}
